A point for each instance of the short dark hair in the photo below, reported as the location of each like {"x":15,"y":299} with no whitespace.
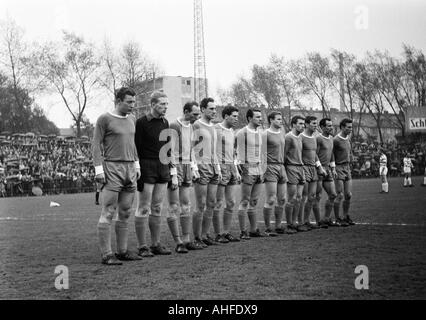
{"x":344,"y":122}
{"x":228,"y":110}
{"x":250,"y":113}
{"x":121,"y":93}
{"x":272,"y":116}
{"x":205,"y":102}
{"x":295,"y":119}
{"x":156,"y":95}
{"x":309,"y":119}
{"x":323,"y":122}
{"x":188,"y":106}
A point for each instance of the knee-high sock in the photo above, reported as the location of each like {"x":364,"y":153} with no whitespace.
{"x":251,"y":213}
{"x":301,"y":211}
{"x":227,"y":220}
{"x":104,"y":236}
{"x":197,"y":220}
{"x":279,"y":212}
{"x":316,"y":210}
{"x":141,"y":228}
{"x":385,"y":187}
{"x":216,"y":221}
{"x":409,"y":181}
{"x":207,"y":221}
{"x":267,"y":213}
{"x":97,"y":196}
{"x":289,"y":209}
{"x":174,"y":228}
{"x":307,"y":210}
{"x":405,"y":181}
{"x":155,"y":228}
{"x":296,"y":212}
{"x":336,"y":207}
{"x":185,"y":223}
{"x":346,"y":205}
{"x":121,"y":234}
{"x":242,"y":219}
{"x":328,"y":207}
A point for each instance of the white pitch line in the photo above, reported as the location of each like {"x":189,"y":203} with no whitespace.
{"x":375,"y":224}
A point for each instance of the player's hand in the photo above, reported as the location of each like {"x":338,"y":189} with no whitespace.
{"x":195,"y":175}
{"x":238,"y":175}
{"x":100,"y":178}
{"x":321,"y":171}
{"x":175,"y":182}
{"x":138,"y":173}
{"x":219,"y":174}
{"x":334,"y":173}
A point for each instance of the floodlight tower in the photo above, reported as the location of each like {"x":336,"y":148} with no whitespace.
{"x":200,"y":79}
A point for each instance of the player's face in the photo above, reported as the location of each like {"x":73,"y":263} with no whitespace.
{"x":328,"y":129}
{"x":300,"y":125}
{"x":195,"y":114}
{"x":312,"y":126}
{"x":257,"y":119}
{"x":277,"y":122}
{"x":161,"y":106}
{"x":127,"y":105}
{"x":232,"y":120}
{"x":210,"y":111}
{"x":347,"y":129}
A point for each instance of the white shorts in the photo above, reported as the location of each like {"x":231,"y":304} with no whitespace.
{"x":407,"y":170}
{"x":383,"y":171}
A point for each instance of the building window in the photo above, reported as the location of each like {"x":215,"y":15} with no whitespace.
{"x":188,"y":82}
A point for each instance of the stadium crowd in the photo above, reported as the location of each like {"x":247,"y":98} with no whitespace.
{"x":64,"y":165}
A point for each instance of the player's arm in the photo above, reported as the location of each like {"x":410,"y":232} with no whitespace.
{"x":194,"y":166}
{"x":97,"y":147}
{"x":215,"y":157}
{"x":172,"y":166}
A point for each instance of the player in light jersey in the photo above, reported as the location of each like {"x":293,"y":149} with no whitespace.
{"x":117,"y":168}
{"x":342,"y":157}
{"x":326,"y":181}
{"x":311,"y":166}
{"x":275,"y":175}
{"x":249,"y":156}
{"x":179,"y":198}
{"x":205,"y":154}
{"x":383,"y":171}
{"x":226,"y":190}
{"x":295,"y":173}
{"x":407,"y":167}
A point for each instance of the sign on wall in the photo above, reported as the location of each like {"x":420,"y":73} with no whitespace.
{"x":416,"y":119}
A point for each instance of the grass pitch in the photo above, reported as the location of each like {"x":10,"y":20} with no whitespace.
{"x":389,"y":239}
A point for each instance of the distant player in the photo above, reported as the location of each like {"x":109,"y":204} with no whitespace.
{"x":407,"y":168}
{"x":226,"y":190}
{"x":342,"y":156}
{"x":295,"y":173}
{"x":326,"y":181}
{"x":205,"y":142}
{"x":249,"y":156}
{"x":117,"y":169}
{"x":311,"y":166}
{"x":152,"y":185}
{"x":179,"y":198}
{"x":383,"y":171}
{"x":275,"y":175}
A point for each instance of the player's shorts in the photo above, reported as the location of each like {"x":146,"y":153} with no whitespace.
{"x":407,"y":170}
{"x":229,"y":177}
{"x":153,"y":172}
{"x":311,"y":174}
{"x":208,"y":174}
{"x":120,"y":176}
{"x":295,"y":174}
{"x":251,"y":174}
{"x":383,"y":171}
{"x":184,"y":175}
{"x":328,"y":176}
{"x":343,"y":172}
{"x":275,"y":172}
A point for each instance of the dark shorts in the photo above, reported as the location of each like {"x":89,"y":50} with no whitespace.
{"x":208,"y":174}
{"x":120,"y":176}
{"x":328,"y":177}
{"x":184,"y":175}
{"x":153,"y":172}
{"x":251,"y":174}
{"x":276,"y":173}
{"x":295,"y":174}
{"x":229,"y":176}
{"x":343,"y":172}
{"x":311,"y":174}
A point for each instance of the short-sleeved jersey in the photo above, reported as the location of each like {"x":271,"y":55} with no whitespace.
{"x":309,"y":149}
{"x":114,"y":139}
{"x":383,"y":160}
{"x":275,"y":146}
{"x":407,"y":162}
{"x":181,"y":141}
{"x":249,"y":146}
{"x":325,"y":150}
{"x":225,"y":144}
{"x":204,"y":142}
{"x":293,"y":149}
{"x":341,"y":149}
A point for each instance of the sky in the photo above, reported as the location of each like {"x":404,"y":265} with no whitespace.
{"x":238,"y":33}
